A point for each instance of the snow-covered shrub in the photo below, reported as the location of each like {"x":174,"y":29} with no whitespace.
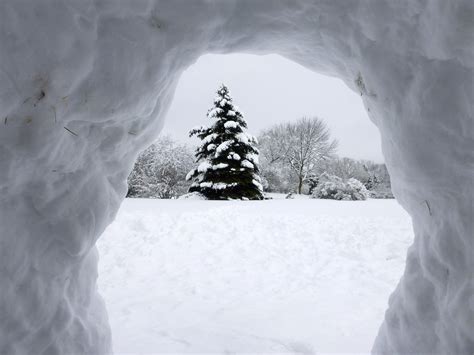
{"x":374,"y":176}
{"x":160,"y":170}
{"x":329,"y":187}
{"x":356,"y":189}
{"x":333,"y":187}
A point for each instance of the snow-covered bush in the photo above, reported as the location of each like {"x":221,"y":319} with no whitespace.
{"x":373,"y":175}
{"x":356,"y":190}
{"x":333,"y":187}
{"x":160,"y":170}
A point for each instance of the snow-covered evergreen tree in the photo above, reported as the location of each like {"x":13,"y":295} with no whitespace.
{"x":227,"y":156}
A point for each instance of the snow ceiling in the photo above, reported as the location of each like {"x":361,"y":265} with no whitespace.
{"x":84,"y":85}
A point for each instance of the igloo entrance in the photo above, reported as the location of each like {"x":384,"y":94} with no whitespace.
{"x":277,"y":275}
{"x":84,"y":86}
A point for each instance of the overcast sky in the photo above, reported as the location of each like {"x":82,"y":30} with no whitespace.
{"x":270,"y":89}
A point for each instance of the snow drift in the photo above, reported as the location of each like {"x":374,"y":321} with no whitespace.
{"x":232,"y":277}
{"x":85,"y":85}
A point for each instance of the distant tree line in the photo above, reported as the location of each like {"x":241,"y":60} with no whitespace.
{"x":160,"y":171}
{"x":294,"y":157}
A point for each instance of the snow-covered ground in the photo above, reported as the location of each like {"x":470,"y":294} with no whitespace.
{"x":278,"y":275}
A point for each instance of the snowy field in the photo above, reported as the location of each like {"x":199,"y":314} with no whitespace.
{"x":274,"y":276}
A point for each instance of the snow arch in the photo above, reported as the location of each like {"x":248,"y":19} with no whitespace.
{"x":85,"y":85}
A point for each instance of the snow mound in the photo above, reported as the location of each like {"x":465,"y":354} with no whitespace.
{"x":85,"y":85}
{"x":192,"y":196}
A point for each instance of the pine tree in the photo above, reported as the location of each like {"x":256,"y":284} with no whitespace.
{"x":227,"y":156}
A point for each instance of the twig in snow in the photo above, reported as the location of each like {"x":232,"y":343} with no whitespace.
{"x":428,"y":205}
{"x":359,"y":81}
{"x":73,"y":133}
{"x":40,"y":97}
{"x":155,"y":22}
{"x":55,"y":117}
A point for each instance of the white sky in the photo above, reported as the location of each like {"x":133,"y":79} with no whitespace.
{"x":271,"y":89}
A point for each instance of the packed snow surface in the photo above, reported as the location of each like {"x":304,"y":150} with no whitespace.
{"x":181,"y":276}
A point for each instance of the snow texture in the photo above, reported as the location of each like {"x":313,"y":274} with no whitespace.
{"x":270,"y":277}
{"x":234,"y":156}
{"x":258,"y":184}
{"x":246,"y":138}
{"x":209,"y":138}
{"x":85,"y":85}
{"x":231,"y":124}
{"x":211,"y":147}
{"x":192,"y":196}
{"x":204,"y":166}
{"x":246,"y":164}
{"x":220,"y":166}
{"x":223,"y":147}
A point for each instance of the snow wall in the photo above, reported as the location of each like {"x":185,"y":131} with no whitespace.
{"x":84,"y":85}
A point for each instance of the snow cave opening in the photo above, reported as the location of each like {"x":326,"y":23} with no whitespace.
{"x":307,"y":94}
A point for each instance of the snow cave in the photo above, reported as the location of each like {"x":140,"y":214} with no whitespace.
{"x":84,"y":86}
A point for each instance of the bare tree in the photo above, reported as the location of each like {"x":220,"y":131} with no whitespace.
{"x":300,"y":146}
{"x":271,"y":148}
